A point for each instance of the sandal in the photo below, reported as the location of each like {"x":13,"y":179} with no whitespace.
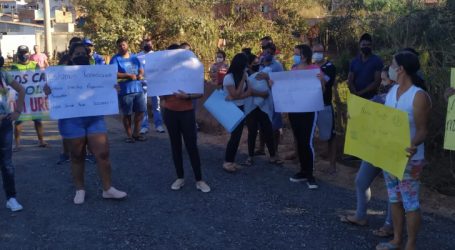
{"x":229,"y":167}
{"x":248,"y":162}
{"x":140,"y":138}
{"x":129,"y":140}
{"x":383,"y":232}
{"x":276,"y":160}
{"x":350,"y":219}
{"x":43,"y":145}
{"x":387,"y":246}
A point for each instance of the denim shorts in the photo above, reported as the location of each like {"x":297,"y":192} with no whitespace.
{"x":325,"y":123}
{"x":79,"y":127}
{"x":133,"y":102}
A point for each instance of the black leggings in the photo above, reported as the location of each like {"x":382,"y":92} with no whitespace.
{"x":234,"y":141}
{"x":303,"y":125}
{"x":183,"y":123}
{"x":259,"y":119}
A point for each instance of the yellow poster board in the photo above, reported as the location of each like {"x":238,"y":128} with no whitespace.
{"x":449,"y":138}
{"x":378,"y":134}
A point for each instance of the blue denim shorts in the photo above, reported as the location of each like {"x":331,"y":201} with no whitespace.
{"x":79,"y":127}
{"x":134,"y":102}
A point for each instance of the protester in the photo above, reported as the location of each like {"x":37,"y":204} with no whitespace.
{"x":219,"y":69}
{"x":365,"y":70}
{"x":24,"y":63}
{"x":65,"y":155}
{"x":325,"y":121}
{"x":304,"y":123}
{"x":131,"y":95}
{"x":409,"y":96}
{"x":157,"y":119}
{"x":6,"y":136}
{"x":259,"y":108}
{"x":367,"y":173}
{"x":39,"y":57}
{"x":95,"y":58}
{"x":236,"y":86}
{"x":90,"y":131}
{"x":264,"y":42}
{"x":180,"y":120}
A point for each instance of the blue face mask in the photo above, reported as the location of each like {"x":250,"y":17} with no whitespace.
{"x":296,"y":59}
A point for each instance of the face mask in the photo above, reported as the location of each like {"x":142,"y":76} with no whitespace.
{"x":366,"y":50}
{"x":219,"y":60}
{"x":318,"y":57}
{"x":23,"y":57}
{"x":81,"y":60}
{"x":296,"y":59}
{"x":147,"y":48}
{"x":393,"y":74}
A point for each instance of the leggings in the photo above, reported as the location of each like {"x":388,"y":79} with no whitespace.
{"x":258,"y":118}
{"x":303,"y":126}
{"x":234,"y":141}
{"x":366,"y":175}
{"x":6,"y":163}
{"x":183,"y":124}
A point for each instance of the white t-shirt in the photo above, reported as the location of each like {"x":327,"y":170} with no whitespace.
{"x":229,"y":81}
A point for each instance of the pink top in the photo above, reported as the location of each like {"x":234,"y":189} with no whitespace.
{"x":39,"y":58}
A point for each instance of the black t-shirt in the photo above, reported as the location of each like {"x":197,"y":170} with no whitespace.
{"x":330,"y":70}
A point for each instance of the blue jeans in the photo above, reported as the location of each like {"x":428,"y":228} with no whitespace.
{"x":366,"y":175}
{"x":157,"y":118}
{"x":6,"y":162}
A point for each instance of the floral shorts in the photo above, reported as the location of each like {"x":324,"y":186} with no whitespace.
{"x":406,"y":190}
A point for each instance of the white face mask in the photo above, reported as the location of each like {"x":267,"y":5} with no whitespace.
{"x":318,"y":57}
{"x":393,"y":74}
{"x":219,"y":60}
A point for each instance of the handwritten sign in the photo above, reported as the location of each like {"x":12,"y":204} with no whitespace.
{"x":79,"y":91}
{"x":449,"y":138}
{"x":378,"y":134}
{"x":169,"y":71}
{"x":225,"y":112}
{"x":35,"y":102}
{"x":297,"y":91}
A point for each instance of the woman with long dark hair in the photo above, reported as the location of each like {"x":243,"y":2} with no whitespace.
{"x":80,"y":132}
{"x":407,"y":95}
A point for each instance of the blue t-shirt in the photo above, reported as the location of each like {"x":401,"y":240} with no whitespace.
{"x":130,"y":65}
{"x":364,"y":72}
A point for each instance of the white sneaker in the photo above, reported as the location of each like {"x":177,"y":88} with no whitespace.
{"x":143,"y":131}
{"x":160,"y":129}
{"x":13,"y":205}
{"x":79,"y":198}
{"x":178,"y":184}
{"x":201,"y":185}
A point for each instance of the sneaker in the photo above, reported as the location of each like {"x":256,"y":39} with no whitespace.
{"x":90,"y":158}
{"x":79,"y":198}
{"x":312,"y":184}
{"x":63,"y":158}
{"x":299,"y":177}
{"x":143,"y":131}
{"x":13,"y":205}
{"x":113,"y":193}
{"x":201,"y":185}
{"x":178,"y":184}
{"x":160,"y":129}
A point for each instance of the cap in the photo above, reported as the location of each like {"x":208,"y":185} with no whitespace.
{"x":87,"y":42}
{"x":23,"y":49}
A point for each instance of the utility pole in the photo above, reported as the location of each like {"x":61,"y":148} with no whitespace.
{"x":47,"y":28}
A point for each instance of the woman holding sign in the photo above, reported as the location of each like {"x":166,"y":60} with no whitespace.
{"x":409,"y":96}
{"x":81,"y":132}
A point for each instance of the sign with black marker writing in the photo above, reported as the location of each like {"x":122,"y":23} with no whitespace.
{"x":80,"y":91}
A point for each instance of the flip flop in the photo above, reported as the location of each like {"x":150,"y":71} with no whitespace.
{"x":383,"y":232}
{"x":129,"y":140}
{"x":140,"y":138}
{"x":387,"y":246}
{"x":347,"y":220}
{"x":276,"y":161}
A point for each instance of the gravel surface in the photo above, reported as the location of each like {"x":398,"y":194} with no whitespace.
{"x":257,"y":208}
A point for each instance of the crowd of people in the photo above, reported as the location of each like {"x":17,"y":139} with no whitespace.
{"x":246,"y":81}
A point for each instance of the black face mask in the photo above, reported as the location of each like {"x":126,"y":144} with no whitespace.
{"x":23,"y":57}
{"x":81,"y":60}
{"x":147,"y":48}
{"x":366,"y":51}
